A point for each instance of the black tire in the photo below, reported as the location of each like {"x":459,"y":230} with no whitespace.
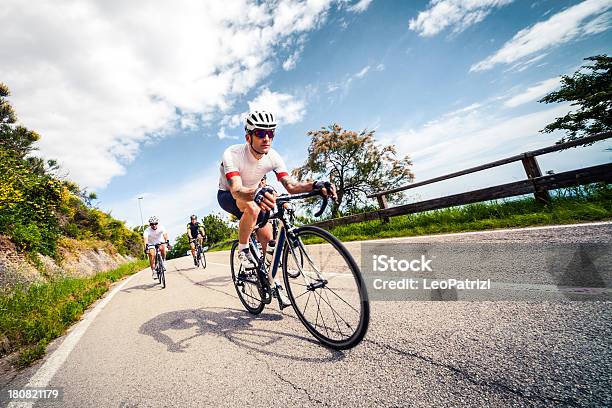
{"x":161,"y":272}
{"x":246,"y":288}
{"x":345,"y":330}
{"x":202,"y":259}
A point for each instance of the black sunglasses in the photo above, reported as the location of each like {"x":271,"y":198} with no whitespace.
{"x":152,"y":224}
{"x":261,"y":133}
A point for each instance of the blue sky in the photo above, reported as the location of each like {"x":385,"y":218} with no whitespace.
{"x":142,"y":99}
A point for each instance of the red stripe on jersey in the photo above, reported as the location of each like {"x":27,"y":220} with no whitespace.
{"x":279,"y":176}
{"x":232,"y":174}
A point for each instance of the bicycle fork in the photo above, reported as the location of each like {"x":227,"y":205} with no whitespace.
{"x":312,"y":282}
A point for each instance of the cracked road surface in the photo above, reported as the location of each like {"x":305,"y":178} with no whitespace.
{"x":193,"y":345}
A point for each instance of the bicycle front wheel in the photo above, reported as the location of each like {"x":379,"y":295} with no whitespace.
{"x":202,"y":259}
{"x":327,"y":292}
{"x":161,"y":272}
{"x":246,"y":284}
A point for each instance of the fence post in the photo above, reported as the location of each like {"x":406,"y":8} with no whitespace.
{"x":533,"y":170}
{"x":382,"y":203}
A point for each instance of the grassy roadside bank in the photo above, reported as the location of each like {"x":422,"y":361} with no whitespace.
{"x":592,"y":203}
{"x":568,"y":206}
{"x":31,"y":318}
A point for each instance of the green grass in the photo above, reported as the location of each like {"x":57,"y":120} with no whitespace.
{"x":591,"y":203}
{"x":31,"y":318}
{"x":226,"y":247}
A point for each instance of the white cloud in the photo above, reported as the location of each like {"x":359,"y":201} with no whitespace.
{"x":363,"y":72}
{"x":380,"y":67}
{"x":523,"y":65}
{"x":97,"y":79}
{"x":533,"y":92}
{"x":345,"y":84}
{"x":598,"y":24}
{"x":286,"y":108}
{"x":459,"y":14}
{"x":222,"y":135}
{"x":291,"y":61}
{"x":360,"y":6}
{"x":583,"y":19}
{"x":471,"y":136}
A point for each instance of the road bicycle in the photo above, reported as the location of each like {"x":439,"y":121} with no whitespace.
{"x":322,"y":280}
{"x":200,"y":254}
{"x":160,"y":266}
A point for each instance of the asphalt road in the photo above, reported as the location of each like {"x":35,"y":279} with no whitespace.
{"x":193,"y":345}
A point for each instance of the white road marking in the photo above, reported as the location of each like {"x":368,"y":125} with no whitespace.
{"x":45,"y":373}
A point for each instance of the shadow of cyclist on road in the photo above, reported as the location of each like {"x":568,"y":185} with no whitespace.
{"x":146,"y":286}
{"x":237,"y":327}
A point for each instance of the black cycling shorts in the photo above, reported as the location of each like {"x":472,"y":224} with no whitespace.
{"x":228,"y":203}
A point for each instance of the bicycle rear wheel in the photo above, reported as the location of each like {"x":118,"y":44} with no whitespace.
{"x":246,"y":284}
{"x":328,"y":294}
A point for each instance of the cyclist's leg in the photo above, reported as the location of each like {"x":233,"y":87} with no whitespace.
{"x":192,"y":246}
{"x":163,"y":250}
{"x":151,"y":253}
{"x":247,"y":222}
{"x":264,"y":235}
{"x":250,"y":212}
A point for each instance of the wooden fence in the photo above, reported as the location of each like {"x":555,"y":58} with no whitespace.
{"x":536,"y":184}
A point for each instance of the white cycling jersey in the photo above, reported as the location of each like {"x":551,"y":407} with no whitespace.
{"x":154,"y":236}
{"x":239,"y":161}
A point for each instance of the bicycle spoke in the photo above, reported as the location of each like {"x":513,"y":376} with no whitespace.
{"x":305,"y":306}
{"x":319,"y":311}
{"x":301,"y":294}
{"x":333,"y":312}
{"x":338,"y":296}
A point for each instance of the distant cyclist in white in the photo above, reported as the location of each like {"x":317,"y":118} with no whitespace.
{"x":155,"y":234}
{"x":240,"y":193}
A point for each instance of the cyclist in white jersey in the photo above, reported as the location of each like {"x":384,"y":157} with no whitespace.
{"x":241,"y":171}
{"x":155,"y":234}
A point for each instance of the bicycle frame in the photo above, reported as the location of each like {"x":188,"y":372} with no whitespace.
{"x":280,"y":243}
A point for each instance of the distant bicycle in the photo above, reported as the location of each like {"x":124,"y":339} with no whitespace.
{"x":160,"y":267}
{"x":200,"y":254}
{"x":322,"y":279}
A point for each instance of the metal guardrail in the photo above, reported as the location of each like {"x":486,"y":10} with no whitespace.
{"x":536,"y":184}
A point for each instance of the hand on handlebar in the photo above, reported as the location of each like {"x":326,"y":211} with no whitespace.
{"x":326,"y":188}
{"x":265,"y":197}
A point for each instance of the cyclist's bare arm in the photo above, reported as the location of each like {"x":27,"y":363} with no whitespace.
{"x":296,"y":187}
{"x":239,"y":192}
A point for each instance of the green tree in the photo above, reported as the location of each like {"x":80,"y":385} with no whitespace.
{"x":17,"y":139}
{"x":590,"y":89}
{"x":355,"y":164}
{"x":37,"y":207}
{"x":180,"y":247}
{"x":217,"y":230}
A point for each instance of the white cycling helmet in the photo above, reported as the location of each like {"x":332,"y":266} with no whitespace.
{"x":259,"y":120}
{"x":153,"y":220}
